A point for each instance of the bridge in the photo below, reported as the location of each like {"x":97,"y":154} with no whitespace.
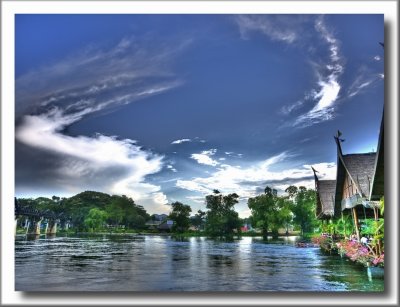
{"x":35,"y":218}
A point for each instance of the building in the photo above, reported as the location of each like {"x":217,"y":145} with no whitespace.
{"x":358,"y":187}
{"x":325,"y":198}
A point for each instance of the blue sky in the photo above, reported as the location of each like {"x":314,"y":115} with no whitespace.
{"x":167,"y":108}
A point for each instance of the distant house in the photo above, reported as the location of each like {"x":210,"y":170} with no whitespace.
{"x":159,"y":222}
{"x":166,"y":225}
{"x":246,"y":227}
{"x":152,"y":225}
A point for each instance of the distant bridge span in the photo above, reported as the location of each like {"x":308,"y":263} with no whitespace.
{"x":36,"y":216}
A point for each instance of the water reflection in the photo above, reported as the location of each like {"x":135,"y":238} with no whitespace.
{"x":163,"y":263}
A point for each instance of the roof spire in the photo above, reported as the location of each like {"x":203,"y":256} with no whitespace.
{"x":338,"y":140}
{"x":315,"y":178}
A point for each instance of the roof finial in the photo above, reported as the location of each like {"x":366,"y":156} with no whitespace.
{"x":338,"y":140}
{"x":315,"y":178}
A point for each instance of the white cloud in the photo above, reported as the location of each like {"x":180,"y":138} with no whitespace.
{"x":125,"y":70}
{"x":328,"y":84}
{"x":181,"y":141}
{"x":84,"y":159}
{"x":364,"y":80}
{"x":246,"y":180}
{"x":291,"y":107}
{"x":90,"y":81}
{"x":292,"y":29}
{"x":275,"y":27}
{"x":324,"y":109}
{"x":192,"y":186}
{"x":205,"y":157}
{"x":377,"y":58}
{"x":173,"y":169}
{"x":196,"y":199}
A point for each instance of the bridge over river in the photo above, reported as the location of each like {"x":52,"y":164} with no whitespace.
{"x":35,"y":218}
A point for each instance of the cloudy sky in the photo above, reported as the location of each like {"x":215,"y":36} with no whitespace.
{"x":167,"y":108}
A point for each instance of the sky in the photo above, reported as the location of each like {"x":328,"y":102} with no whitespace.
{"x":166,"y":108}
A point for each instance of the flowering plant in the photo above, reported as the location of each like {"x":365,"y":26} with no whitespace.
{"x":379,"y":260}
{"x":324,"y":241}
{"x":360,"y":253}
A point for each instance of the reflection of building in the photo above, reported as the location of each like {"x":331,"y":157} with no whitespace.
{"x":358,"y":187}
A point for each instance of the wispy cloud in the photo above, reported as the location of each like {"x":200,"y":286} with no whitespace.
{"x":205,"y":157}
{"x":365,"y":79}
{"x":295,"y":30}
{"x":181,"y":141}
{"x":233,"y":154}
{"x":327,"y":92}
{"x":127,"y":70}
{"x":173,"y":169}
{"x":195,"y":140}
{"x":84,"y":159}
{"x":196,"y":199}
{"x":276,"y":27}
{"x":95,"y":80}
{"x":246,"y":181}
{"x":286,"y":110}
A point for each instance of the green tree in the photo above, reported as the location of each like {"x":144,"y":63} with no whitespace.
{"x":95,"y":219}
{"x":181,"y":216}
{"x":285,"y":214}
{"x":303,"y":207}
{"x":222,"y":219}
{"x":198,"y":219}
{"x":265,"y":212}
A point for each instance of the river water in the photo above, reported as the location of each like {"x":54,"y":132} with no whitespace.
{"x":162,"y":263}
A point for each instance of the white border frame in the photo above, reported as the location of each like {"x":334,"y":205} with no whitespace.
{"x":10,"y":8}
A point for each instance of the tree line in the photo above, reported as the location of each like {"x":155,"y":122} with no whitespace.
{"x":269,"y":213}
{"x":91,"y":211}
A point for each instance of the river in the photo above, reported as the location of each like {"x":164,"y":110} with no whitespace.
{"x":163,"y":263}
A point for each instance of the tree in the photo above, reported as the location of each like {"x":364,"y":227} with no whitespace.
{"x":181,"y":216}
{"x":292,"y":191}
{"x":285,"y":215}
{"x":198,"y":219}
{"x":265,"y":212}
{"x":222,"y":219}
{"x":95,"y":219}
{"x":303,"y":207}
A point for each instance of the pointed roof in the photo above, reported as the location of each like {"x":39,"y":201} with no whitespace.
{"x":359,"y":167}
{"x":325,"y":193}
{"x":377,"y":186}
{"x":325,"y":198}
{"x":361,"y":170}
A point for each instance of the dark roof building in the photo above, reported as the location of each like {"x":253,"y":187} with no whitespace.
{"x":377,"y":185}
{"x":353,"y":179}
{"x":325,"y":197}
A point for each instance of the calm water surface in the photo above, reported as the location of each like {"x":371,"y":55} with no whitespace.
{"x":162,"y":263}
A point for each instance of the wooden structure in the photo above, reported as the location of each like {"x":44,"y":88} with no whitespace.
{"x":358,"y":187}
{"x":325,"y":198}
{"x":359,"y":182}
{"x":377,"y":185}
